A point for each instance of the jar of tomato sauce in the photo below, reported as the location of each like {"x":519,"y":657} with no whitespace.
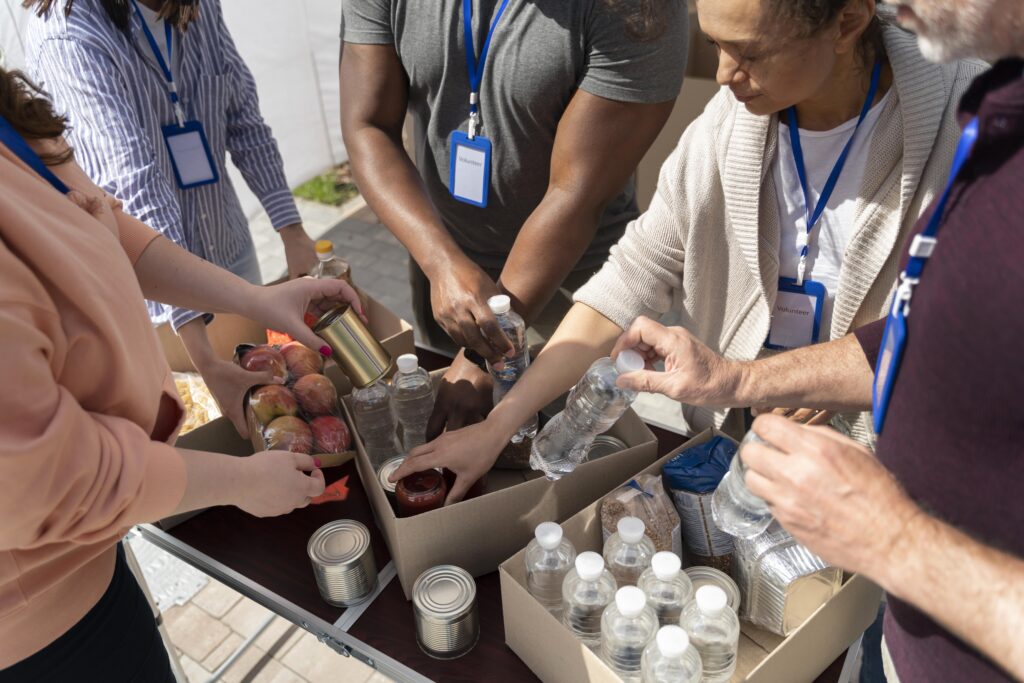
{"x":420,"y":492}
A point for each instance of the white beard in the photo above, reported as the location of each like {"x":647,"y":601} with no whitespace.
{"x":945,"y":33}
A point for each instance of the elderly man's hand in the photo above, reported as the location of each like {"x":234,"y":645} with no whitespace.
{"x":830,"y":492}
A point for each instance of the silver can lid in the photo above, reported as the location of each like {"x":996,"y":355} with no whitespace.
{"x":709,"y":576}
{"x":339,"y":544}
{"x":385,"y":471}
{"x":605,"y":445}
{"x":444,"y":593}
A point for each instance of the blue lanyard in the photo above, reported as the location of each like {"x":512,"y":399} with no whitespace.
{"x":14,"y":142}
{"x":476,"y":67}
{"x":172,"y":89}
{"x":826,"y":192}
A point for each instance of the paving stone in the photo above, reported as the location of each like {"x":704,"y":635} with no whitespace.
{"x":277,"y":631}
{"x":378,"y":677}
{"x":193,"y":671}
{"x":246,"y":617}
{"x":318,"y":663}
{"x":216,"y":599}
{"x":221,"y":653}
{"x":295,"y":637}
{"x":194,"y":631}
{"x":254,"y":666}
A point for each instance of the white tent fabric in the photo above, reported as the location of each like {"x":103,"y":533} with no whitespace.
{"x":291,"y":46}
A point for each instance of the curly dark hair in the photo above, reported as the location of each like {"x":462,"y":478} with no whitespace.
{"x":645,"y":20}
{"x":178,"y":13}
{"x":28,"y":110}
{"x":808,"y":17}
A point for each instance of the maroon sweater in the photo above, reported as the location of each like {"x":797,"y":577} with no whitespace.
{"x":954,"y":433}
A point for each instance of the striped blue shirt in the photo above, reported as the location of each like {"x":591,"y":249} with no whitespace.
{"x":114,"y":94}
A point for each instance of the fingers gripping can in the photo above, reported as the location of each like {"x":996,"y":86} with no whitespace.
{"x":357,"y":353}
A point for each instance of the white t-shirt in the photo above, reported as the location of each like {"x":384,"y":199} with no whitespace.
{"x":835,"y":228}
{"x":156,"y":27}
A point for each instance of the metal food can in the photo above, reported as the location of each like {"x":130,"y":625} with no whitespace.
{"x":385,"y":471}
{"x":444,"y":603}
{"x":357,"y":353}
{"x":709,"y":576}
{"x":605,"y":445}
{"x":343,"y":563}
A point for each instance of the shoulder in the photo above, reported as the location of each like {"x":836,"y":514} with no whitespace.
{"x":87,"y":24}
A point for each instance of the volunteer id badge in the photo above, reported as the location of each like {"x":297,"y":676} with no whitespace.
{"x":796,"y":319}
{"x":893,"y":341}
{"x":190,"y":155}
{"x":469,"y":175}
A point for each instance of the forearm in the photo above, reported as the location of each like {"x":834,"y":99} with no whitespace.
{"x":583,"y":336}
{"x":831,"y":376}
{"x":547,"y":248}
{"x":169,"y":274}
{"x":197,"y":344}
{"x":974,"y":590}
{"x":213,"y":479}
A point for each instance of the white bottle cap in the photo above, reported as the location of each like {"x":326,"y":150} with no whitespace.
{"x":629,"y":361}
{"x":548,"y":535}
{"x":672,"y":641}
{"x":631,"y":529}
{"x":408,"y":362}
{"x":500,"y":303}
{"x":666,"y":565}
{"x":589,"y":566}
{"x":630,"y":600}
{"x":711,"y":600}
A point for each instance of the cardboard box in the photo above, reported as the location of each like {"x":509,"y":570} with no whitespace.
{"x":478,"y":534}
{"x":228,"y":331}
{"x":554,"y":654}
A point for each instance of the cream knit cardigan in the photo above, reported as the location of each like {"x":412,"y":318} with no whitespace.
{"x":708,"y":246}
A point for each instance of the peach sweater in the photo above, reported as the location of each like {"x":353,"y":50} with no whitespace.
{"x":83,"y":388}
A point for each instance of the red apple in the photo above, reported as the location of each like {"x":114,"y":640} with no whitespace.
{"x":301,"y":360}
{"x":265,"y":358}
{"x":288,"y":433}
{"x":330,"y":434}
{"x":272,"y":400}
{"x":316,"y":394}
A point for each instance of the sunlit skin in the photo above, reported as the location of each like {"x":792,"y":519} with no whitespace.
{"x":770,"y":65}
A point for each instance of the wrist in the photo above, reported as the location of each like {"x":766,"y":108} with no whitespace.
{"x":292,"y":232}
{"x":442,"y":261}
{"x":740,"y":383}
{"x":897,"y":568}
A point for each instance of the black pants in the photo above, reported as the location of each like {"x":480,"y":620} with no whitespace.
{"x":117,"y":641}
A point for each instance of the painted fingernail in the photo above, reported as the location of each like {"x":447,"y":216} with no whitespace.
{"x":325,"y":351}
{"x":316,"y":461}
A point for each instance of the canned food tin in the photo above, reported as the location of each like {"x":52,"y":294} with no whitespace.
{"x":605,"y":445}
{"x":709,"y":576}
{"x":343,"y":563}
{"x":444,"y":603}
{"x":385,"y":471}
{"x":357,"y":353}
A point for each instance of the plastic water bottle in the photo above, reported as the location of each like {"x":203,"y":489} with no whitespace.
{"x":714,"y":629}
{"x":628,"y":552}
{"x":627,"y":628}
{"x":734,"y":508}
{"x":412,"y":400}
{"x":549,"y":558}
{"x":515,"y":367}
{"x":375,"y":423}
{"x":593,"y":406}
{"x":329,"y":266}
{"x":587,"y":590}
{"x":667,"y":587}
{"x":671,"y":658}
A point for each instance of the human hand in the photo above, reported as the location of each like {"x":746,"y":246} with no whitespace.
{"x":229,"y":383}
{"x":299,"y":250}
{"x":459,"y":297}
{"x":693,"y":373}
{"x":807,"y":416}
{"x":469,"y":452}
{"x":829,"y":492}
{"x":275,"y":483}
{"x":282,"y":307}
{"x":463,"y":398}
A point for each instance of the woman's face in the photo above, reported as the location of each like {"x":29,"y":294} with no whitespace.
{"x":765,"y":63}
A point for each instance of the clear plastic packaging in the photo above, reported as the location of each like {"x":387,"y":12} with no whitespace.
{"x":515,"y":367}
{"x":588,"y":589}
{"x":714,"y":629}
{"x":371,"y":408}
{"x":781,"y":581}
{"x":736,"y":510}
{"x":667,"y":587}
{"x":671,"y":658}
{"x":594,"y":405}
{"x":412,"y":398}
{"x":549,"y":558}
{"x":628,"y":552}
{"x":645,"y":499}
{"x":628,"y":626}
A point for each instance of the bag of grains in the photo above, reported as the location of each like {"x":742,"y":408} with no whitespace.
{"x":645,"y":498}
{"x":691,"y":478}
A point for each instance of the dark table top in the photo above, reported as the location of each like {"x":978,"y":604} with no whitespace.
{"x":272,"y":553}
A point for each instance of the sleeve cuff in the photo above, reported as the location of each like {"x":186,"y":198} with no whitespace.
{"x":606,"y":294}
{"x":870,"y":339}
{"x":281,"y":209}
{"x":619,"y":93}
{"x":358,"y":37}
{"x":183,"y":316}
{"x":166,"y":478}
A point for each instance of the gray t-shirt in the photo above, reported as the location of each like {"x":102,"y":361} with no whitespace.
{"x":542,"y":51}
